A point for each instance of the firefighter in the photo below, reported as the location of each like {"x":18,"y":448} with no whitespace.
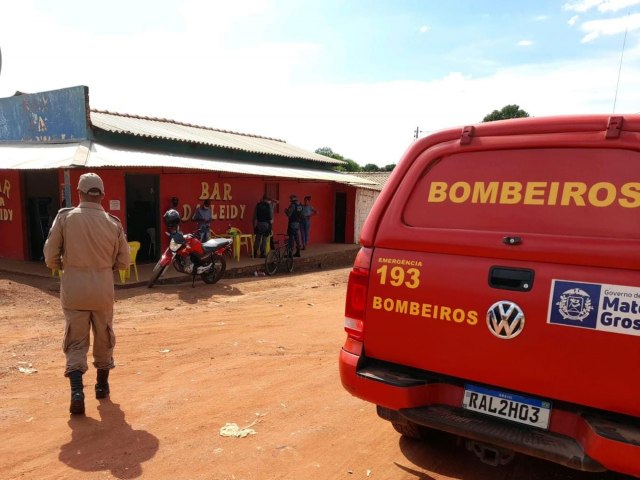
{"x":87,"y":244}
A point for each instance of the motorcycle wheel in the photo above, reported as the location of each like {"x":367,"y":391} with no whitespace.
{"x":289,"y":264}
{"x":271,"y":263}
{"x":157,"y":272}
{"x":217,"y":270}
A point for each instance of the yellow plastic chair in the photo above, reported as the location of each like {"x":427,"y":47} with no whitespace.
{"x":133,"y":251}
{"x":240,"y":239}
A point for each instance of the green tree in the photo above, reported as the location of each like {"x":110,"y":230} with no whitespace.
{"x":348,"y":166}
{"x":371,"y":167}
{"x":508,"y":111}
{"x":327,"y":152}
{"x":388,"y":168}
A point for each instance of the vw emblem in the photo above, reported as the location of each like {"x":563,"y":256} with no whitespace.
{"x":505,"y":320}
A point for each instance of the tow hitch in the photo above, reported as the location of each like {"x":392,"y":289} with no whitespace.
{"x":490,"y":454}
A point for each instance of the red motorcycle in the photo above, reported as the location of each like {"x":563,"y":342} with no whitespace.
{"x":192,"y":257}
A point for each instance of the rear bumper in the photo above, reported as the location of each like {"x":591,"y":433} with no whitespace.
{"x":580,"y":440}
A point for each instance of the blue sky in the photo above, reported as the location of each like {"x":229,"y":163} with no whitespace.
{"x":355,"y":76}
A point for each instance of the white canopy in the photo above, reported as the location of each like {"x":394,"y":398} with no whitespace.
{"x":95,"y":155}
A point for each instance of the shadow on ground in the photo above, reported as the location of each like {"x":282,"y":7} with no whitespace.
{"x":109,"y":444}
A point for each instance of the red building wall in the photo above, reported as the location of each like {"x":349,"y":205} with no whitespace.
{"x":113,"y":185}
{"x":12,"y":219}
{"x":233,"y":200}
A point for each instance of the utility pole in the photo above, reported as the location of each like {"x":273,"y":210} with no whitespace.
{"x":417,"y":133}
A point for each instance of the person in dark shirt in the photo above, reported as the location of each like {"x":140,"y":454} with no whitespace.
{"x":295,"y":216}
{"x":262,"y":222}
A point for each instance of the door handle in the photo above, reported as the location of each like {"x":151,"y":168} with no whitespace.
{"x":506,"y":278}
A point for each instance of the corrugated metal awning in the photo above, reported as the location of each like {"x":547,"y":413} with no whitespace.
{"x":183,"y":132}
{"x":378,"y":178}
{"x":95,"y":155}
{"x":39,"y":157}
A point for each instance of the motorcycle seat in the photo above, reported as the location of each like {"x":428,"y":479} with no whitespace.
{"x":215,"y":243}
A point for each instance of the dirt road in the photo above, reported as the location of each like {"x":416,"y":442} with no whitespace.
{"x":260,"y":353}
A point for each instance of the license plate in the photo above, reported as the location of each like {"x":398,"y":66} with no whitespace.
{"x":509,"y":406}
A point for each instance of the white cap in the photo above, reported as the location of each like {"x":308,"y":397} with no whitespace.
{"x":89,"y":182}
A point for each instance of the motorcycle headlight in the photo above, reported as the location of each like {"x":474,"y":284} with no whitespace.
{"x":173,"y":246}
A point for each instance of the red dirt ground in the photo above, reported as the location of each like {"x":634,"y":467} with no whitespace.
{"x":258,"y":352}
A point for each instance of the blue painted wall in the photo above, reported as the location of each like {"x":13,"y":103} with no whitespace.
{"x":57,"y":116}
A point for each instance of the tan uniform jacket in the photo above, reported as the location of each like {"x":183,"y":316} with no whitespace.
{"x":89,"y":244}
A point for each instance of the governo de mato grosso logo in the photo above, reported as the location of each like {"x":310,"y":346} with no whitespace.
{"x":575,"y":304}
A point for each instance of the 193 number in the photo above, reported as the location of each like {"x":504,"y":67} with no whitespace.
{"x":397,"y":276}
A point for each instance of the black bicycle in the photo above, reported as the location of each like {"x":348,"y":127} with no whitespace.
{"x":279,"y":254}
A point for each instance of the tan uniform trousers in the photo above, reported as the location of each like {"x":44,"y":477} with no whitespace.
{"x":76,"y":342}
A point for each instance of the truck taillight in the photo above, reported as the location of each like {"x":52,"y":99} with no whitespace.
{"x":356,"y":303}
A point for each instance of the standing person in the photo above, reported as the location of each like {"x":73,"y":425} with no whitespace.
{"x":89,"y":244}
{"x":308,"y":211}
{"x":262,"y":224}
{"x":202,"y":215}
{"x":294,"y":214}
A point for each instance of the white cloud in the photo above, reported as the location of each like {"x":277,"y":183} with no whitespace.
{"x":387,"y":124}
{"x":581,"y":6}
{"x":524,"y":43}
{"x":424,"y":29}
{"x":218,"y":16}
{"x":541,"y":18}
{"x":572,"y":21}
{"x":613,"y":26}
{"x":616,"y":5}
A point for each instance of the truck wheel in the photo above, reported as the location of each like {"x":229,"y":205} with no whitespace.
{"x":412,"y":430}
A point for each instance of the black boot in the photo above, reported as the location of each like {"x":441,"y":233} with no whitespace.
{"x":297,"y":254}
{"x":102,"y":385}
{"x":77,"y":394}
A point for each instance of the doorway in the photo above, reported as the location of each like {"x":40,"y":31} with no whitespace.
{"x":143,"y":213}
{"x":42,"y":195}
{"x":340,"y":218}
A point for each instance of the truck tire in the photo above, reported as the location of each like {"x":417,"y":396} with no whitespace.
{"x":412,"y":430}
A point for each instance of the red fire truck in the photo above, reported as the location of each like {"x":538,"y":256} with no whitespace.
{"x":496,"y":295}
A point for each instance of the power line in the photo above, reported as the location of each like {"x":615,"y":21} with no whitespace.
{"x":624,"y":43}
